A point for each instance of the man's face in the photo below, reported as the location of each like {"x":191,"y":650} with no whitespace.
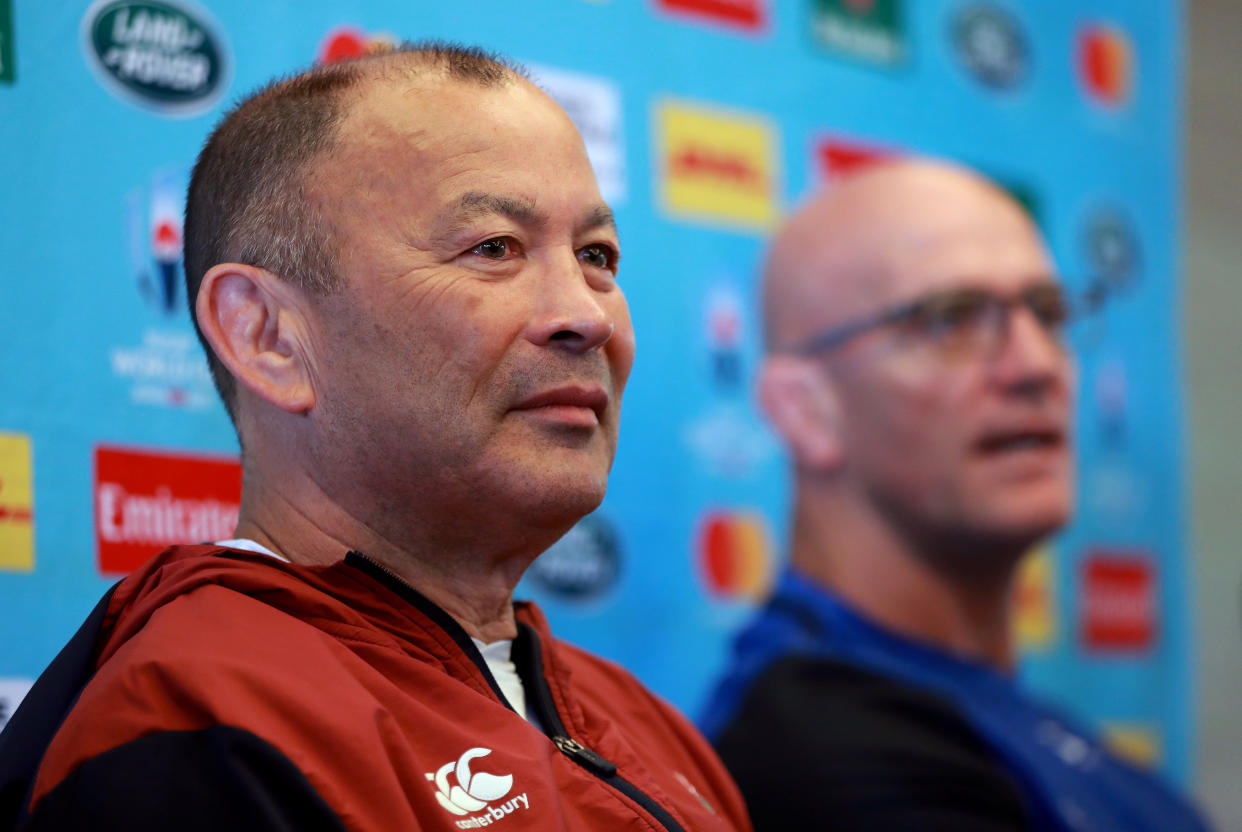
{"x":967,"y":445}
{"x":476,"y":355}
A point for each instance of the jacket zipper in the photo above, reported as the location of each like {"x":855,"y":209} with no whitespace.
{"x":584,"y":756}
{"x":540,"y":696}
{"x":606,"y":770}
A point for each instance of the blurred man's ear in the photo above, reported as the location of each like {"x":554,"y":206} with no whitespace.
{"x":800,"y":401}
{"x":256,"y":324}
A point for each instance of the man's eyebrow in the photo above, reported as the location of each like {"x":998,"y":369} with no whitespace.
{"x":475,"y":204}
{"x":598,"y":217}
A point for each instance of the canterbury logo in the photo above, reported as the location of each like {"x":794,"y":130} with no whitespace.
{"x":474,"y":790}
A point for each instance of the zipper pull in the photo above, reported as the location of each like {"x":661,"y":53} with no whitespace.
{"x":585,"y":757}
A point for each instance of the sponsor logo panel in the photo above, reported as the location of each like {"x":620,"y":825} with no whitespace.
{"x":12,"y":692}
{"x":1111,"y":249}
{"x":166,"y":368}
{"x":1106,"y":66}
{"x":153,"y":237}
{"x":837,"y":158}
{"x":16,"y":503}
{"x":8,"y":53}
{"x":1112,"y":409}
{"x":868,"y":30}
{"x":164,"y":55}
{"x":991,"y":45}
{"x":1115,"y":490}
{"x":748,"y":15}
{"x":594,"y":105}
{"x":724,"y":435}
{"x":348,"y":42}
{"x":1140,"y":743}
{"x":1119,"y":604}
{"x":719,"y":167}
{"x":724,"y":328}
{"x":146,"y":500}
{"x":583,"y":565}
{"x":463,"y":791}
{"x":1035,"y":602}
{"x":735,"y":554}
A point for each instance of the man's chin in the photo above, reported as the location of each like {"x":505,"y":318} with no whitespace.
{"x":551,"y":520}
{"x":545,"y":484}
{"x":564,"y":500}
{"x":989,"y":541}
{"x":1024,"y":526}
{"x":1037,"y":507}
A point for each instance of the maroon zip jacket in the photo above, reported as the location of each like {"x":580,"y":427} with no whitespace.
{"x":235,"y":690}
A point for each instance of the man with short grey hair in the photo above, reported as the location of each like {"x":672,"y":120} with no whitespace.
{"x":406,"y":280}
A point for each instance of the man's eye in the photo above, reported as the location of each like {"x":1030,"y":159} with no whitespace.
{"x":1050,"y":306}
{"x":497,"y":248}
{"x":953,"y":313}
{"x":599,"y":256}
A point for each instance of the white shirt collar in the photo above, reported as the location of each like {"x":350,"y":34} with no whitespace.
{"x":248,"y":545}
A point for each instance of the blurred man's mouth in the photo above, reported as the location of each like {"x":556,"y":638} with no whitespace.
{"x":1034,"y":439}
{"x":572,"y":405}
{"x":1021,"y":441}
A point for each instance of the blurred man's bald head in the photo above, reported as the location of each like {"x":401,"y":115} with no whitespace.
{"x":868,"y":241}
{"x":919,"y":276}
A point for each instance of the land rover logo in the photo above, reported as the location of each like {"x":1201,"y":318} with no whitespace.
{"x":160,"y":54}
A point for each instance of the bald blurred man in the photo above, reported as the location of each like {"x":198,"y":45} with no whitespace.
{"x":917,"y":373}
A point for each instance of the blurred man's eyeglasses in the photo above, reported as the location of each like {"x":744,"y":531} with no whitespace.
{"x":955,"y":320}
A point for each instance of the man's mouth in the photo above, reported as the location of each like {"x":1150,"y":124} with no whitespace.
{"x":1036,"y":439}
{"x":573,"y":404}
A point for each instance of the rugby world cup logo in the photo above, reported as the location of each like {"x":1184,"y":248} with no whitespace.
{"x":153,"y":236}
{"x":463,"y":791}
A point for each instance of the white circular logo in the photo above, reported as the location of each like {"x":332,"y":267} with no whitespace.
{"x":473,"y":790}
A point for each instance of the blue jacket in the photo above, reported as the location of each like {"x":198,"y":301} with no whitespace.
{"x":1066,"y":779}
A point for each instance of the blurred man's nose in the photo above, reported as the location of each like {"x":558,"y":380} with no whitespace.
{"x":1030,"y":358}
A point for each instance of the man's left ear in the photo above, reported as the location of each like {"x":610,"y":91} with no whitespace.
{"x":256,"y":324}
{"x":803,"y":406}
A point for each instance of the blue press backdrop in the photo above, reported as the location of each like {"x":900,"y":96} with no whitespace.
{"x":706,"y":119}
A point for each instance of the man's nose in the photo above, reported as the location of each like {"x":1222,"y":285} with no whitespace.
{"x":1031,"y":359}
{"x":571,"y":312}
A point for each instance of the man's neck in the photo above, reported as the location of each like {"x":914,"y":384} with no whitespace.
{"x":470,"y":580}
{"x":873,"y":569}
